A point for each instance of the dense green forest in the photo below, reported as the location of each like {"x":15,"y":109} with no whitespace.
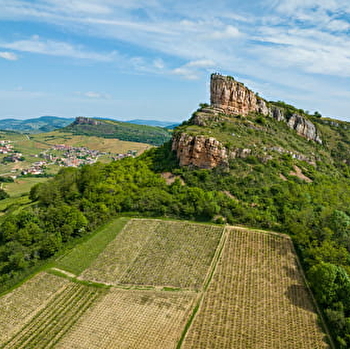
{"x":120,"y":130}
{"x":252,"y":191}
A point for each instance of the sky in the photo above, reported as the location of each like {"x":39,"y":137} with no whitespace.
{"x":152,"y":59}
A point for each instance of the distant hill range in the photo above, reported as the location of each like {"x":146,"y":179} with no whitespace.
{"x":165,"y":124}
{"x":50,"y":123}
{"x":124,"y":131}
{"x":36,"y":125}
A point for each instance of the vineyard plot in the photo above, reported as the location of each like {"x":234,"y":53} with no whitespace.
{"x":18,"y":307}
{"x":256,"y":299}
{"x":132,"y":319}
{"x":159,"y":253}
{"x":50,"y":324}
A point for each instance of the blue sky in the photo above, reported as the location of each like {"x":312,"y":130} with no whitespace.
{"x":152,"y":59}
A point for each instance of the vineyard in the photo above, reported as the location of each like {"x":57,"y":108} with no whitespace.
{"x":18,"y":307}
{"x":158,"y":253}
{"x":132,"y":319}
{"x":212,"y":287}
{"x":256,"y":298}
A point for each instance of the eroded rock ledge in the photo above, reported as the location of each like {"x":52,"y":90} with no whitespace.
{"x":231,"y":97}
{"x":204,"y":152}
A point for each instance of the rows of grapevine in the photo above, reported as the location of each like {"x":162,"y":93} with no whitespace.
{"x":159,"y":253}
{"x":177,"y":254}
{"x":132,"y":319}
{"x":49,"y":325}
{"x":19,"y":306}
{"x":112,"y":263}
{"x":256,"y":299}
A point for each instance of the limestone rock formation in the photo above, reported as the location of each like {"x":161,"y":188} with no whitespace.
{"x":232,"y":97}
{"x":304,"y":127}
{"x":84,"y":120}
{"x":199,"y":151}
{"x":204,"y":152}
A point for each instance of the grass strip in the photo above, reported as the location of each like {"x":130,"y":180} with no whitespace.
{"x":82,"y":255}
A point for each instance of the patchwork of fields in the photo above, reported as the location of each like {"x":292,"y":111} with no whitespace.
{"x":166,"y":284}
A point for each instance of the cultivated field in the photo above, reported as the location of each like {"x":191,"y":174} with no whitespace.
{"x":211,"y":288}
{"x":256,"y":299}
{"x":18,"y":307}
{"x":82,"y":255}
{"x":132,"y":319}
{"x":112,"y":145}
{"x":157,"y":253}
{"x":51,"y":322}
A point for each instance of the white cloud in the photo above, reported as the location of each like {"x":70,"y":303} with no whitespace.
{"x":227,"y":33}
{"x":94,"y":95}
{"x":10,"y":56}
{"x":192,"y":69}
{"x":55,"y":48}
{"x":159,"y":63}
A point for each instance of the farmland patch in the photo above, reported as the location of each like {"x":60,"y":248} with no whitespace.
{"x":257,"y":298}
{"x":158,"y":253}
{"x":132,"y":319}
{"x":19,"y":306}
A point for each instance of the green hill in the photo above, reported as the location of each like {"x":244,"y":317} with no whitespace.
{"x":35,"y":125}
{"x":116,"y":129}
{"x":241,"y":161}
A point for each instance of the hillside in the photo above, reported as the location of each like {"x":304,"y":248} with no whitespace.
{"x":124,"y":131}
{"x":241,"y":160}
{"x":165,"y":124}
{"x":35,"y":125}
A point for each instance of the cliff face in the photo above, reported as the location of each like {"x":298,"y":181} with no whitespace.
{"x":204,"y":152}
{"x":84,"y":120}
{"x":232,"y":97}
{"x":304,"y":128}
{"x":199,"y":151}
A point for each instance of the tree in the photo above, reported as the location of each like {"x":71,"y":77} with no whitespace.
{"x":3,"y":194}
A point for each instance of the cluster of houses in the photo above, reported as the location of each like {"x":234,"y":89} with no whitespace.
{"x":72,"y":156}
{"x":37,"y":168}
{"x":59,"y":154}
{"x":5,"y":147}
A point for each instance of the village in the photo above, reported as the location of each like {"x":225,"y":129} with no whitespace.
{"x":59,"y":154}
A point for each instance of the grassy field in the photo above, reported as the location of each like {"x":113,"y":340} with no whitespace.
{"x":256,"y":299}
{"x":132,"y":319}
{"x":22,"y":186}
{"x":174,"y":285}
{"x":157,"y":253}
{"x":97,"y":143}
{"x":79,"y":258}
{"x":30,"y":146}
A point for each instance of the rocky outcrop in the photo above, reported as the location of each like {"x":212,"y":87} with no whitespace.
{"x":304,"y":127}
{"x":232,"y":97}
{"x":84,"y":120}
{"x":199,"y":151}
{"x":204,"y":152}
